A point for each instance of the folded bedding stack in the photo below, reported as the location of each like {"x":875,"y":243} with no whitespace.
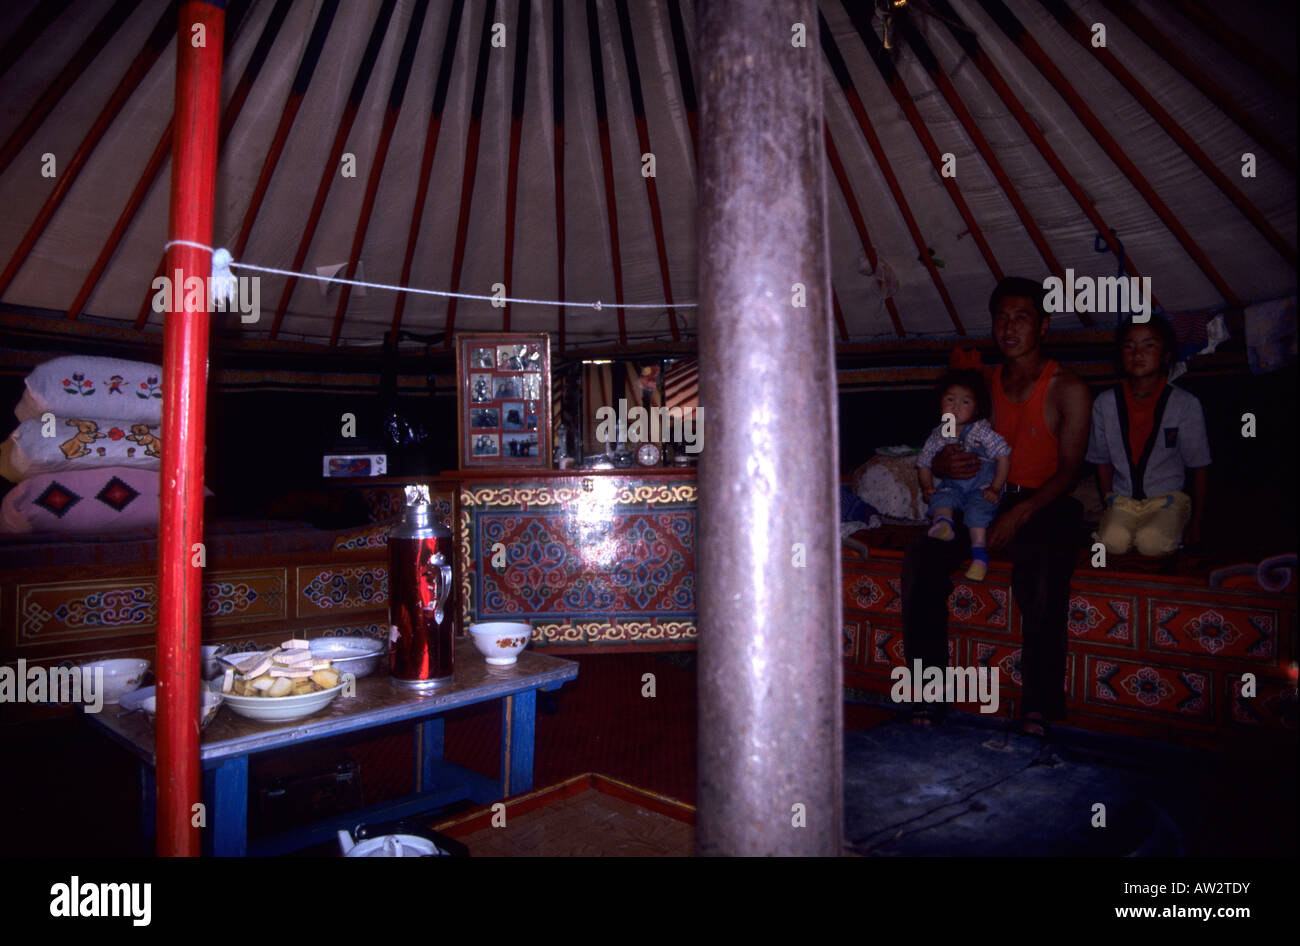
{"x":86,"y":454}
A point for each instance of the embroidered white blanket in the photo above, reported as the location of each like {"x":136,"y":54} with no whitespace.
{"x":89,"y":386}
{"x":78,"y":443}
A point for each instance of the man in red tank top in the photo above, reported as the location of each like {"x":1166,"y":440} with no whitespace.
{"x":1044,"y":411}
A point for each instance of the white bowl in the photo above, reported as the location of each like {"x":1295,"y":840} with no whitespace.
{"x":500,"y":641}
{"x":147,"y":700}
{"x":358,"y":656}
{"x":280,"y":709}
{"x":120,"y":676}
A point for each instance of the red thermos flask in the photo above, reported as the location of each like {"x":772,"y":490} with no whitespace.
{"x":420,"y":586}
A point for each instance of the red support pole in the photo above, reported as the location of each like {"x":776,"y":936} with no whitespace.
{"x":185,"y":373}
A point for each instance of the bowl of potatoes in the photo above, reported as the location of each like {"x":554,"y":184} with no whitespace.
{"x":281,"y":684}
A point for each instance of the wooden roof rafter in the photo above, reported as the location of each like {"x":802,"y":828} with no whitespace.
{"x":971,"y":47}
{"x":470,"y":170}
{"x":306,"y":66}
{"x":861,"y":20}
{"x":557,"y":161}
{"x":89,"y":50}
{"x":158,"y":40}
{"x":1019,"y":35}
{"x":607,"y":159}
{"x":1083,"y":35}
{"x":643,"y":140}
{"x":391,"y":113}
{"x":163,"y":149}
{"x":431,"y":135}
{"x":1187,"y":67}
{"x":916,"y":42}
{"x":331,"y":169}
{"x":859,"y":223}
{"x":518,"y":93}
{"x":840,"y":70}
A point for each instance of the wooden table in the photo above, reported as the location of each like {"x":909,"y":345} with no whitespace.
{"x":230,"y":739}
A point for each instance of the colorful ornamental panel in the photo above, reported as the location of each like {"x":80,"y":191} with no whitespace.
{"x":1148,"y":688}
{"x":600,"y":559}
{"x":979,"y":605}
{"x":1007,"y":657}
{"x":1103,"y":618}
{"x":1212,"y":629}
{"x":331,"y":589}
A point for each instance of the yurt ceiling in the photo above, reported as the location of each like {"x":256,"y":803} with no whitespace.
{"x":504,"y":142}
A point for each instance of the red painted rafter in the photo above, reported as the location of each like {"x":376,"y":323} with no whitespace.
{"x":557,"y":114}
{"x":1188,"y":68}
{"x":1032,"y":132}
{"x":391,"y":114}
{"x":426,"y":160}
{"x":85,"y":54}
{"x":139,"y":67}
{"x":839,"y":315}
{"x":512,"y":169}
{"x":859,"y":223}
{"x":841,"y":71}
{"x":958,"y":107}
{"x":470,"y":168}
{"x":331,"y":168}
{"x":1223,"y":33}
{"x":1034,"y":53}
{"x":154,"y":165}
{"x":897,"y":88}
{"x":1083,"y":34}
{"x":607,"y":162}
{"x":643,"y":140}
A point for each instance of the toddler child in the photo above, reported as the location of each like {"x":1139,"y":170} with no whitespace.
{"x":965,"y":407}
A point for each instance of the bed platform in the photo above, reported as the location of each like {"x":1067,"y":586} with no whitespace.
{"x":1156,"y":649}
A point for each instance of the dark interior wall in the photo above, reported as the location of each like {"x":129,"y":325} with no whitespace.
{"x":265,"y":447}
{"x":1252,"y":503}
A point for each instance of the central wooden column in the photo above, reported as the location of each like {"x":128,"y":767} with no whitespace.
{"x":771,"y":716}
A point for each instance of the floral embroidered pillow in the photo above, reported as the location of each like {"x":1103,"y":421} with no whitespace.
{"x":78,"y":443}
{"x":88,"y":386}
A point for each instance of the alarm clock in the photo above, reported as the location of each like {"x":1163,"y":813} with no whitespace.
{"x":648,"y":454}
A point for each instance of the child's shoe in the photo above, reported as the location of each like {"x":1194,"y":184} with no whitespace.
{"x":942,"y":530}
{"x":978,"y":569}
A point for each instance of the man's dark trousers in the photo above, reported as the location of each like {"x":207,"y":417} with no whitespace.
{"x":1043,"y":556}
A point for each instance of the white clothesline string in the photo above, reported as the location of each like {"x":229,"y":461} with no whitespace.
{"x":221,"y":270}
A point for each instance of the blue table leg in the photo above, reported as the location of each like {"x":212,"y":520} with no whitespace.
{"x":518,"y":722}
{"x":230,"y":808}
{"x":428,"y":752}
{"x":148,"y":809}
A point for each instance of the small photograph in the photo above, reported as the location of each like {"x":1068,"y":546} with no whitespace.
{"x":512,"y":416}
{"x":507,"y":387}
{"x":519,"y":445}
{"x":480,"y":387}
{"x":485,"y":417}
{"x":532,"y":357}
{"x":530,"y":421}
{"x":532,"y":387}
{"x":486,"y":445}
{"x":482,"y":358}
{"x":511,"y":357}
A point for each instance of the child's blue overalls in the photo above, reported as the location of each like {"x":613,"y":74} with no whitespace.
{"x":968,"y":495}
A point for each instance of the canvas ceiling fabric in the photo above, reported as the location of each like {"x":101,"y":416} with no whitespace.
{"x":48,"y":278}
